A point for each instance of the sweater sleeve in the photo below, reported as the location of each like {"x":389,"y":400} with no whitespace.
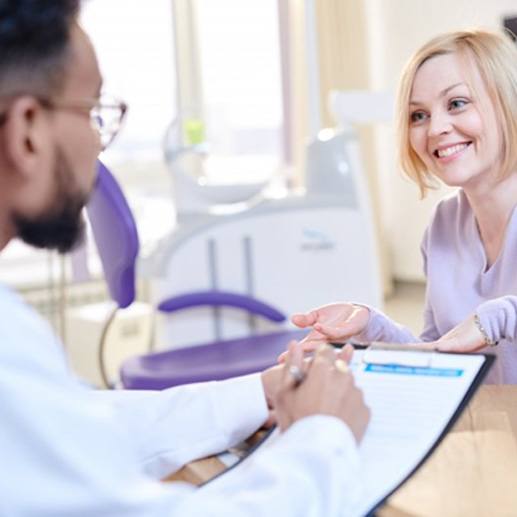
{"x":499,"y":318}
{"x":382,"y":328}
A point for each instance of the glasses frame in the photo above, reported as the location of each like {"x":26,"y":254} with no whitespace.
{"x":94,"y":108}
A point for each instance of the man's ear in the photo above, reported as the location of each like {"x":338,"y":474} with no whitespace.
{"x":26,"y":136}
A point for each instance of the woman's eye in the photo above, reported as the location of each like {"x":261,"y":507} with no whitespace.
{"x":458,"y":104}
{"x":417,"y":116}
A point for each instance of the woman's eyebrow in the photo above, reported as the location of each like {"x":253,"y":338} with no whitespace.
{"x":444,"y":92}
{"x":449,"y":88}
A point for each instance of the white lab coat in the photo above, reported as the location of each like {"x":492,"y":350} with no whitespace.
{"x":69,"y":451}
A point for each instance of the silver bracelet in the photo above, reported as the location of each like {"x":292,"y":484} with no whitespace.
{"x":488,"y":341}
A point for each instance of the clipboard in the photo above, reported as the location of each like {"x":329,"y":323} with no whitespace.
{"x":426,"y":355}
{"x":386,"y":360}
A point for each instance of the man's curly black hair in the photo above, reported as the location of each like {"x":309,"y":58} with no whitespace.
{"x":34,"y":43}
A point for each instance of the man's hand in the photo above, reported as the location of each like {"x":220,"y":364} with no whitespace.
{"x":333,"y":323}
{"x":271,"y":380}
{"x":328,"y":388}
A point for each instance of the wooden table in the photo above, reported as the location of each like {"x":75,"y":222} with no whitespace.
{"x":473,"y":472}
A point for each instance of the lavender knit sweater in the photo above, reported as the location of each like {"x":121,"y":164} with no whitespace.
{"x":459,"y":284}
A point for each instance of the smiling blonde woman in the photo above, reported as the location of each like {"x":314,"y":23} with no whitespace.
{"x":457,"y":123}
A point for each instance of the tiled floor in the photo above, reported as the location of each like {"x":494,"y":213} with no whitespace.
{"x":406,"y":305}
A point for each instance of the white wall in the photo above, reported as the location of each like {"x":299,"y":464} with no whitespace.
{"x":395,"y":29}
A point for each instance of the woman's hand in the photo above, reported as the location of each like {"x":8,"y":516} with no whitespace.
{"x":464,"y":337}
{"x":333,"y":323}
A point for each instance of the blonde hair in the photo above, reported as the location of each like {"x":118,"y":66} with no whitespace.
{"x":495,"y":56}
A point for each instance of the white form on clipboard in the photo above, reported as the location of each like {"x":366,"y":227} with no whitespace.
{"x":413,"y":396}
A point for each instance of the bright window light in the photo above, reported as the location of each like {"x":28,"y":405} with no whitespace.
{"x":239,"y":57}
{"x":135,"y":47}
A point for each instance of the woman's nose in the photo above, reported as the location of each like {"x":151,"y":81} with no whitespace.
{"x":439,"y":124}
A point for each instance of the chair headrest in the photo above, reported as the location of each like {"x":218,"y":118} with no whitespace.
{"x":115,"y":235}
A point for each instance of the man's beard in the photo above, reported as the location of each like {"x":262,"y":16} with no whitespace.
{"x":61,"y":227}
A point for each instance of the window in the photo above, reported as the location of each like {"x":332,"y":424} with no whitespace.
{"x":241,"y":82}
{"x":135,"y":47}
{"x":235,"y":46}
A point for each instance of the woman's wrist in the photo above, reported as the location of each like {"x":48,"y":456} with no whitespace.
{"x":487,"y":339}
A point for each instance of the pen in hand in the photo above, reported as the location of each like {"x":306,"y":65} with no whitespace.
{"x":297,"y":374}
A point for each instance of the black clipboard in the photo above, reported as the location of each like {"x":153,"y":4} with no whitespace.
{"x":477,"y":381}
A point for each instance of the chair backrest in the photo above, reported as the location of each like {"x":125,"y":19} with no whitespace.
{"x":115,"y":235}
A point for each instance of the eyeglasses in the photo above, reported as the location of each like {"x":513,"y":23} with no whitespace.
{"x":106,"y":114}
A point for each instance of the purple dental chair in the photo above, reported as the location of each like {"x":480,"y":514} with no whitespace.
{"x":116,"y":237}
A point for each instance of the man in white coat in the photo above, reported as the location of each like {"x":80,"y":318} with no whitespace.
{"x":69,"y":451}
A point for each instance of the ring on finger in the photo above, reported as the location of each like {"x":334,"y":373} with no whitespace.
{"x":296,"y":374}
{"x":341,"y":366}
